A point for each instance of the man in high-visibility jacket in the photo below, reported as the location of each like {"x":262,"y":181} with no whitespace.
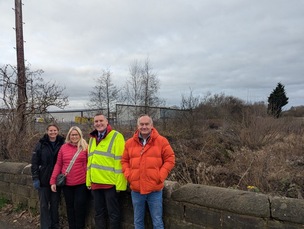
{"x":104,"y":172}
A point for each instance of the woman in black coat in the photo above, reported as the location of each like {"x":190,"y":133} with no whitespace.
{"x":43,"y":161}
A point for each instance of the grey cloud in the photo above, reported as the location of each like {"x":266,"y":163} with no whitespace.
{"x":242,"y":48}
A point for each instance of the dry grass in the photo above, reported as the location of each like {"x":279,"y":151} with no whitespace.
{"x":234,"y":146}
{"x":266,"y":154}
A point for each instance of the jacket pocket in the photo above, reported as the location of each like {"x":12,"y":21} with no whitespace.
{"x":45,"y":175}
{"x":153,"y":176}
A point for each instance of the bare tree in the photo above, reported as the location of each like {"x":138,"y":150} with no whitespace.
{"x":151,"y":86}
{"x":133,"y":89}
{"x":190,"y":103}
{"x":104,"y":94}
{"x":142,"y":87}
{"x":41,"y":95}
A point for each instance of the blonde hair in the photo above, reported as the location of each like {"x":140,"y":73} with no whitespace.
{"x":82,"y":142}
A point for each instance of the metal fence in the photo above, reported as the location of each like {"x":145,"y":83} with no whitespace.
{"x":125,"y":116}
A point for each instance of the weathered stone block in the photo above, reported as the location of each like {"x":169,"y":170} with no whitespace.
{"x":7,"y":177}
{"x":14,"y":179}
{"x":6,"y":195}
{"x":230,"y":220}
{"x":4,"y":186}
{"x":12,"y":167}
{"x":287,"y":209}
{"x":23,"y":190}
{"x":170,"y":186}
{"x":274,"y":224}
{"x":18,"y":199}
{"x":173,"y":209}
{"x":127,"y":208}
{"x":33,"y":193}
{"x":202,"y":216}
{"x":179,"y":224}
{"x":242,"y":202}
{"x":29,"y":180}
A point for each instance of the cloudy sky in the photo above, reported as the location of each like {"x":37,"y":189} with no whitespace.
{"x":241,"y":48}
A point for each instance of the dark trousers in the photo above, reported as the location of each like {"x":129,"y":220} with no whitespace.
{"x":76,"y":199}
{"x":49,"y":204}
{"x":106,"y":202}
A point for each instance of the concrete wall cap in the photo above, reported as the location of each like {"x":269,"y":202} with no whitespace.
{"x":232,"y":200}
{"x":12,"y":167}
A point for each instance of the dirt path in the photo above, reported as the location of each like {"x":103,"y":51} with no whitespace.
{"x":12,"y":219}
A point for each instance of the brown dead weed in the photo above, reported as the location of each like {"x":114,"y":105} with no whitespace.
{"x":19,"y":219}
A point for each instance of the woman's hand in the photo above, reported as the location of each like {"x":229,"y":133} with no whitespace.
{"x":53,"y":188}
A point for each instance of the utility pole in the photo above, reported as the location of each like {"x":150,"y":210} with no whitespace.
{"x":21,"y":80}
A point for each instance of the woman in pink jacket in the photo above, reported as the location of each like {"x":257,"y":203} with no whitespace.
{"x":75,"y":191}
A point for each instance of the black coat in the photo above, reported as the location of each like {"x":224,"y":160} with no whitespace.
{"x":44,"y":159}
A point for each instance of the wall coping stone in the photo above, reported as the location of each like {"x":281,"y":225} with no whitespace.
{"x":287,"y":209}
{"x":232,"y":200}
{"x":12,"y":167}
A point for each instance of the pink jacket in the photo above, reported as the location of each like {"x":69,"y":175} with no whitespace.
{"x":77,"y":174}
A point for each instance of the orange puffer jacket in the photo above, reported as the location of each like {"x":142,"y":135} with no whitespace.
{"x":147,"y":167}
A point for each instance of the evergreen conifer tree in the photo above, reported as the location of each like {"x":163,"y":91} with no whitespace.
{"x":276,"y":100}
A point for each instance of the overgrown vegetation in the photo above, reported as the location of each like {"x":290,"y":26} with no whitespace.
{"x":220,"y":140}
{"x":3,"y":202}
{"x":225,"y":142}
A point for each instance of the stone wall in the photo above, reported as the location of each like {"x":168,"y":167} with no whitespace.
{"x":189,"y":206}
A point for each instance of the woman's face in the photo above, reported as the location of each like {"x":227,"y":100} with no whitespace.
{"x":52,"y":132}
{"x":74,"y":137}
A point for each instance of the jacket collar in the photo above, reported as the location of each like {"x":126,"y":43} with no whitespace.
{"x":94,"y":133}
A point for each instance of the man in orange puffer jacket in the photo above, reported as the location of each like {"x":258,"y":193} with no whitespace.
{"x":146,"y":163}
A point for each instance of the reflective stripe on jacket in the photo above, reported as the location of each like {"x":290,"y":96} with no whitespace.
{"x":104,"y":161}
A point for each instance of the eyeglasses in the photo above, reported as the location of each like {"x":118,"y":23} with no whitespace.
{"x":74,"y":135}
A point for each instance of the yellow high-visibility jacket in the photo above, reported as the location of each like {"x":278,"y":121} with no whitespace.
{"x":104,"y":161}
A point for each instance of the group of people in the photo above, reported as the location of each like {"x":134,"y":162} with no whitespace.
{"x":103,"y":167}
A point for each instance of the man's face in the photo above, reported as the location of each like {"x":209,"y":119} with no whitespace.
{"x":145,"y":126}
{"x":100,"y":123}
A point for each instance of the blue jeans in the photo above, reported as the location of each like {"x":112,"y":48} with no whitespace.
{"x":155,"y":204}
